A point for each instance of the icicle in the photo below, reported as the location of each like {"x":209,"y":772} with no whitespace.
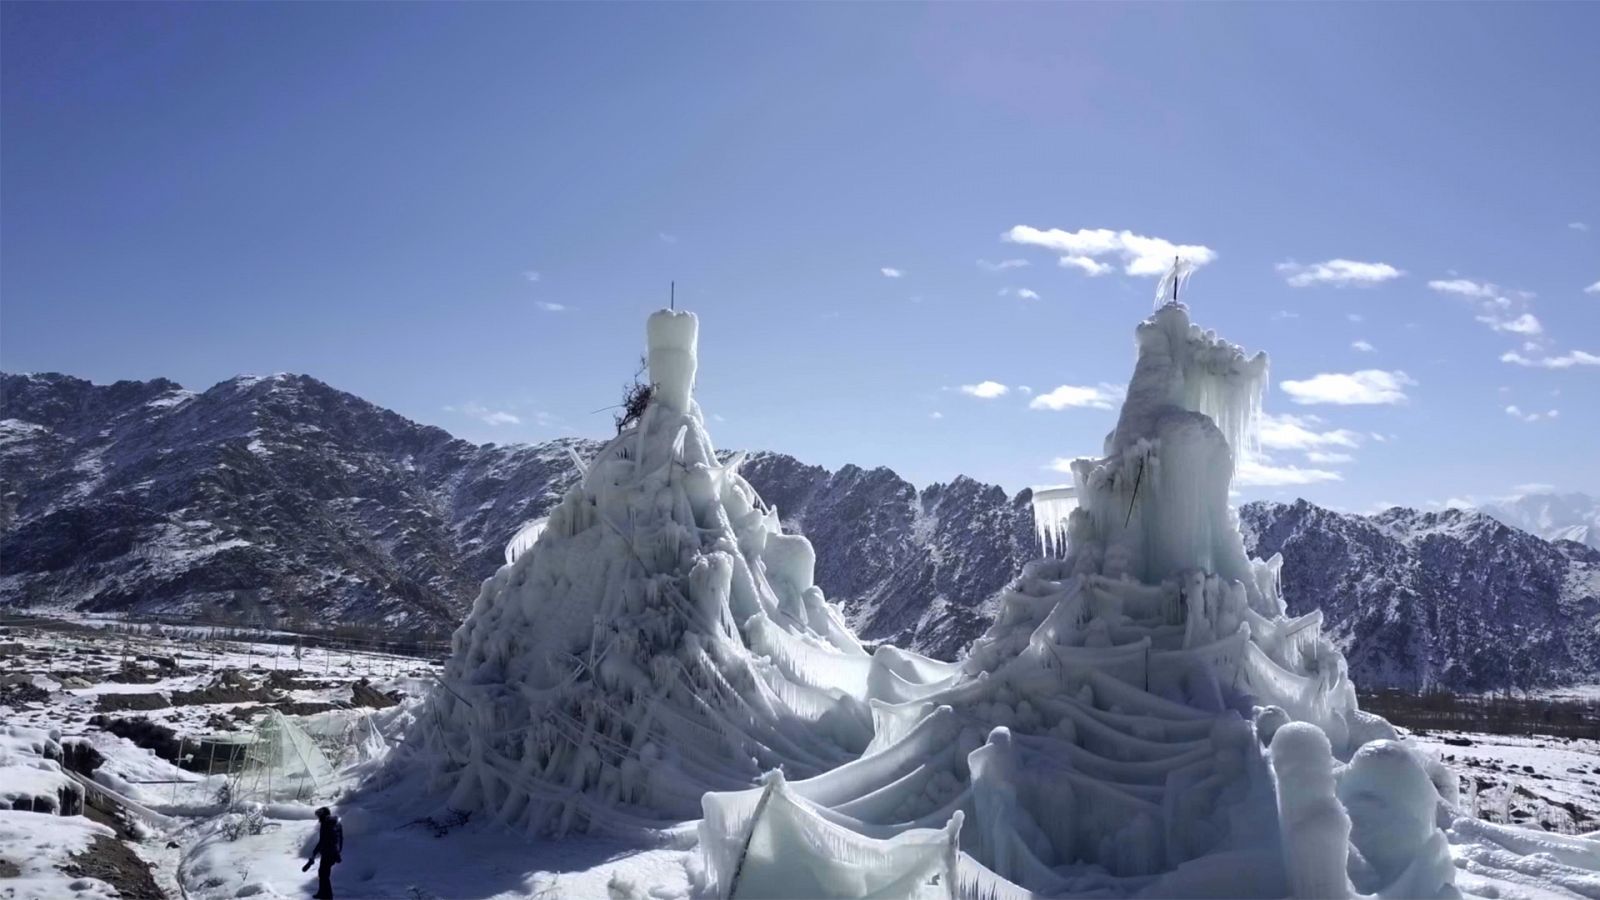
{"x":1051,"y":507}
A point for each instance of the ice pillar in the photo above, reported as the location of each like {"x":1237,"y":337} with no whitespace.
{"x":673,"y":337}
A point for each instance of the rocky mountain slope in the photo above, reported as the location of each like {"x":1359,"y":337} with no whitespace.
{"x":1452,"y":599}
{"x":260,"y":500}
{"x":283,"y":500}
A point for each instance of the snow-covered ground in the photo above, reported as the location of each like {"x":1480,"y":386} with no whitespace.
{"x":389,"y":852}
{"x":1541,"y":783}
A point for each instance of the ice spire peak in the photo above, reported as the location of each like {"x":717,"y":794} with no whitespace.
{"x":1174,"y":281}
{"x":673,"y":338}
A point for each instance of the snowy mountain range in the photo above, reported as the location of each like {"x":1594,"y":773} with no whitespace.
{"x":282,"y":499}
{"x":1552,"y":516}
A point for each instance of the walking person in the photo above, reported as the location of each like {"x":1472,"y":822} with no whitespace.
{"x":330,"y":846}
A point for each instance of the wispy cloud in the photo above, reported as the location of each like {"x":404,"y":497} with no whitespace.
{"x":667,"y":238}
{"x":890,"y":272}
{"x":1002,"y":265}
{"x":1362,"y":346}
{"x":1060,"y":464}
{"x":1322,"y":457}
{"x":1254,"y":472}
{"x":1501,"y":310}
{"x":531,"y":275}
{"x":1578,"y":226}
{"x":1067,"y":396}
{"x":1087,"y":265}
{"x":1516,"y":412}
{"x":1565,"y":361}
{"x":936,"y":415}
{"x":1284,"y":314}
{"x":1526,"y":323}
{"x":1366,"y":387}
{"x":986,"y":390}
{"x":1087,"y":249}
{"x":1463,"y":287}
{"x":1593,"y":288}
{"x":1337,"y":273}
{"x":485,"y":415}
{"x":1024,"y":293}
{"x":1291,"y":432}
{"x":548,"y":306}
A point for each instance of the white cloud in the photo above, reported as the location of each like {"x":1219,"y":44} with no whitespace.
{"x":1566,"y":361}
{"x":1463,"y":287}
{"x":1578,"y":226}
{"x":1516,"y":413}
{"x":486,"y":415}
{"x":1291,"y":432}
{"x":936,"y":415}
{"x":1362,"y":346}
{"x":547,"y":306}
{"x":1024,"y":389}
{"x":1283,"y":314}
{"x":531,"y":275}
{"x":1088,"y":265}
{"x":667,"y":238}
{"x":1262,"y":473}
{"x":987,"y":390}
{"x":1357,"y":318}
{"x":1061,"y":464}
{"x":1024,"y":293}
{"x":1329,"y":459}
{"x":1338,"y":273}
{"x":1537,"y":487}
{"x":1100,"y":396}
{"x":1002,"y":265}
{"x":1368,"y":386}
{"x":891,"y":272}
{"x":1593,"y":288}
{"x":1140,"y":255}
{"x":1526,"y":323}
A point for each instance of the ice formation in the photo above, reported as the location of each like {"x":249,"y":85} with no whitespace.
{"x":658,"y":637}
{"x":1051,"y":507}
{"x":1142,"y":718}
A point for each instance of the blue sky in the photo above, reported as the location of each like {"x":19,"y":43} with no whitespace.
{"x":464,"y":213}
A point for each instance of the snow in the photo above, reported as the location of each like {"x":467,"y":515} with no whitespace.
{"x":39,"y":844}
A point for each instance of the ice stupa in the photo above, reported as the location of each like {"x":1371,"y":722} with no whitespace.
{"x":1142,"y":719}
{"x":658,"y":637}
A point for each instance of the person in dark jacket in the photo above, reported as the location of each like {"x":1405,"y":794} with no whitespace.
{"x":330,"y":846}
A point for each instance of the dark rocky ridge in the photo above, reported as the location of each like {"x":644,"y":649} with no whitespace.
{"x":284,"y":501}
